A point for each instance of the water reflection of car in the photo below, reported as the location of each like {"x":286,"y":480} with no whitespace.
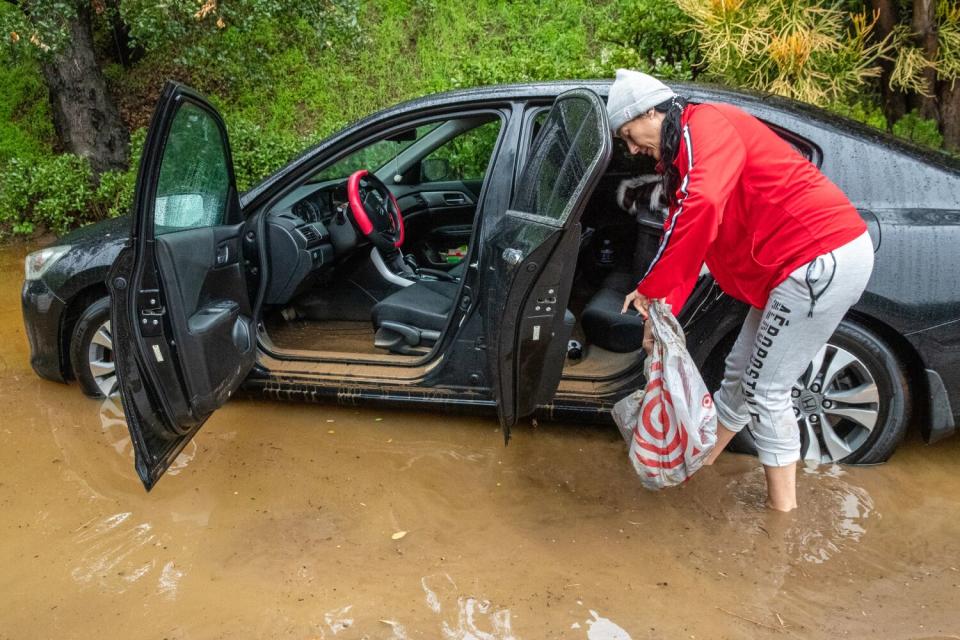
{"x":338,"y":278}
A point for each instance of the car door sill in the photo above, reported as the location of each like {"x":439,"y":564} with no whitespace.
{"x":267,"y":348}
{"x":382,"y":371}
{"x":305,"y":388}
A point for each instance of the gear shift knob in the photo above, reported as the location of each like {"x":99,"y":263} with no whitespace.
{"x":411,"y":262}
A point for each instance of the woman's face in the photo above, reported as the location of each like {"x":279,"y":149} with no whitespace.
{"x":642,"y":134}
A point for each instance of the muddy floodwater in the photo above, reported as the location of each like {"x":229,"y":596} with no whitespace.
{"x":314,"y":521}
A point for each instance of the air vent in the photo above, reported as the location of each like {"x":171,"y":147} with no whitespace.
{"x":309,"y":234}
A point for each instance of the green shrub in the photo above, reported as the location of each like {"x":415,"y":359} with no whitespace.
{"x":259,"y":150}
{"x":868,"y":113}
{"x":916,"y":128}
{"x":285,"y":74}
{"x":26,"y":129}
{"x":53,"y":192}
{"x":803,"y":49}
{"x":58,"y":192}
{"x":653,"y":36}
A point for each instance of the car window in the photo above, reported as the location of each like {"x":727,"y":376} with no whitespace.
{"x":452,"y":149}
{"x":464,"y":157}
{"x":563,"y":152}
{"x":623,"y":162}
{"x":194,"y":180}
{"x":375,"y":155}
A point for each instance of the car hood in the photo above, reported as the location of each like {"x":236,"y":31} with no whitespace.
{"x":98,"y":233}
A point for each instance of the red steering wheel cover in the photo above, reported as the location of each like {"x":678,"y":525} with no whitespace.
{"x":360,"y":214}
{"x":356,"y":207}
{"x":396,"y":207}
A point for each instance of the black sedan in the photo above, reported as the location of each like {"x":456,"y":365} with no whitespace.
{"x":470,"y":251}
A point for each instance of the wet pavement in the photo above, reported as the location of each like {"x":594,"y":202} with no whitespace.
{"x":306,"y":521}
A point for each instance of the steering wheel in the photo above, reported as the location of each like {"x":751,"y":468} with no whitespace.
{"x":375,"y":210}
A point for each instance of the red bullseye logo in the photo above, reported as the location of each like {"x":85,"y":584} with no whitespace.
{"x":660,"y":441}
{"x":707,"y":401}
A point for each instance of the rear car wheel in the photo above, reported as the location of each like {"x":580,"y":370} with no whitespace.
{"x":852,"y":404}
{"x":91,"y":351}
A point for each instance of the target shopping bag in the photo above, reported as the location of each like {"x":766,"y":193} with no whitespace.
{"x":670,"y":425}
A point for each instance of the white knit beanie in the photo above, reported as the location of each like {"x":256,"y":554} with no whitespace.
{"x":634,"y":93}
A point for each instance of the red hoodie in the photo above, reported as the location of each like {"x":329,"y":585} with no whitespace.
{"x":749,"y":205}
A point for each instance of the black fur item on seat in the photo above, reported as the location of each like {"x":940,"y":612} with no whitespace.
{"x":634,"y":195}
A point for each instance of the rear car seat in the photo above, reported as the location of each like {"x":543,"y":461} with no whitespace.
{"x":604,"y":325}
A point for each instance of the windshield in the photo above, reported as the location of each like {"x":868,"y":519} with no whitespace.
{"x":373,"y":156}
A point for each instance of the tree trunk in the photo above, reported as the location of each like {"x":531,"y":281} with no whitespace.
{"x":85,"y":117}
{"x":925,"y":27}
{"x":894,"y":102}
{"x":950,"y":114}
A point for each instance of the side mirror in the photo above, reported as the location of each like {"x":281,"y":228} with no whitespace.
{"x":434,"y":170}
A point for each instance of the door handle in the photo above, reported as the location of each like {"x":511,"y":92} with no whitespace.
{"x":454,"y":198}
{"x":223,"y":254}
{"x":512,"y":257}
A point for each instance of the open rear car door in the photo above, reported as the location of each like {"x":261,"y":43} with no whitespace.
{"x":533,"y":254}
{"x":181,"y":313}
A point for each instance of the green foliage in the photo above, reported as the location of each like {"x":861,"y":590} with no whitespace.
{"x":514,"y":42}
{"x":284,"y":74}
{"x":26,"y":129}
{"x":53,"y":192}
{"x":58,"y":192}
{"x":912,"y":126}
{"x":866,"y":112}
{"x":35,"y":28}
{"x":802,"y":49}
{"x":918,"y":129}
{"x":469,"y":153}
{"x":259,"y":150}
{"x":653,"y":36}
{"x":239,"y":36}
{"x":910,"y":61}
{"x":114,"y":194}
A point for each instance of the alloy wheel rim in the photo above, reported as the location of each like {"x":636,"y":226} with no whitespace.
{"x":837,"y":405}
{"x":100,"y":360}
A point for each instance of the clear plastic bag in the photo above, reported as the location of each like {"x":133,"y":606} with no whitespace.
{"x":671,"y":424}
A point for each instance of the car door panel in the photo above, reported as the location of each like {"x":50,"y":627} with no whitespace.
{"x":438,"y":217}
{"x":183,"y":323}
{"x":210,"y":312}
{"x":531,"y":251}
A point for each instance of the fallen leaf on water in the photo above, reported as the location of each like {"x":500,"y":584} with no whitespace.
{"x":398,"y":535}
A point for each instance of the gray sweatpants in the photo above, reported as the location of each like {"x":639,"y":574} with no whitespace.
{"x":777,"y":343}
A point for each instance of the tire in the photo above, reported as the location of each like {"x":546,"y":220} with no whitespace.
{"x":887,"y":406}
{"x":91,"y":351}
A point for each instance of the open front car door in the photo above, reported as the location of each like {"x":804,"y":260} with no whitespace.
{"x":533,"y":254}
{"x":181,"y":314}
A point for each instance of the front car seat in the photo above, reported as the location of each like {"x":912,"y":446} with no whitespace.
{"x":411,"y":320}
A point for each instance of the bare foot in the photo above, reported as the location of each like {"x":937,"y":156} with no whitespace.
{"x":781,"y":509}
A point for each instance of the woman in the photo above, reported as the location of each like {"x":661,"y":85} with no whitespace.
{"x":774,"y":232}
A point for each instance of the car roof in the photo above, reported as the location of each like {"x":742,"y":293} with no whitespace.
{"x":549,"y":90}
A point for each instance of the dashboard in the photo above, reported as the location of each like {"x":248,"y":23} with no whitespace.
{"x":306,"y":232}
{"x":321,"y":205}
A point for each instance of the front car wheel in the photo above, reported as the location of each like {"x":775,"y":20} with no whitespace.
{"x":91,"y":351}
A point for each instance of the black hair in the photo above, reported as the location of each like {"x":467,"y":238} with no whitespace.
{"x":670,"y":132}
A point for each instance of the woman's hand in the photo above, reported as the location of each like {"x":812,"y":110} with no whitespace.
{"x":639,"y":302}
